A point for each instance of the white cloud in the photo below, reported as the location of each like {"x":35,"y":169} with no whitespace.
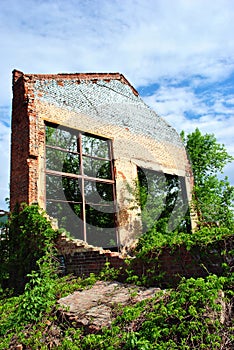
{"x":154,"y":41}
{"x":146,"y":40}
{"x":174,"y":103}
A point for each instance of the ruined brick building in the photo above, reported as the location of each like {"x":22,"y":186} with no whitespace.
{"x":82,"y":144}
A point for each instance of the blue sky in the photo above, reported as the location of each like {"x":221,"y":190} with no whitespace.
{"x":178,"y":54}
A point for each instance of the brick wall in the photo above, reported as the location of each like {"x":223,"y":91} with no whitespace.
{"x":103,"y":104}
{"x":81,"y":259}
{"x":167,"y":269}
{"x":19,"y":182}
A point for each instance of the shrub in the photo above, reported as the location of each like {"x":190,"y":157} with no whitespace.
{"x":29,"y":234}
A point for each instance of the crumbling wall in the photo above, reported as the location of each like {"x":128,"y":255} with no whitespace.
{"x":81,"y":259}
{"x":105,"y":105}
{"x":165,"y":269}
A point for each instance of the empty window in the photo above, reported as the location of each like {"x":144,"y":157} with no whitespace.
{"x":80,"y":187}
{"x":163,"y":200}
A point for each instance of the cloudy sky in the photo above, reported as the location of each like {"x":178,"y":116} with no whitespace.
{"x":179,"y":54}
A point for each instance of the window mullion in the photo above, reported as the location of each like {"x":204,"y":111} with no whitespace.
{"x":82,"y":185}
{"x":110,"y":151}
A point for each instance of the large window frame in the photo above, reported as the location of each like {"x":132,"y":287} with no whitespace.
{"x":83,"y":172}
{"x":163,"y":200}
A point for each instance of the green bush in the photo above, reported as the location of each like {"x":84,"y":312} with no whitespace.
{"x":29,"y":233}
{"x":186,"y":317}
{"x":154,"y":241}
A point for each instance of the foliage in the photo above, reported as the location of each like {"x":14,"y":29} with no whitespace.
{"x":181,"y":318}
{"x":163,"y":201}
{"x":206,"y":154}
{"x":38,"y":296}
{"x":155,"y":241}
{"x":28,"y":236}
{"x":212,"y":197}
{"x":109,"y":273}
{"x":37,"y":299}
{"x":177,"y":319}
{"x":184,"y":318}
{"x":35,"y":309}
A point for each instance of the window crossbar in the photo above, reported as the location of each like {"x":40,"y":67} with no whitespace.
{"x":74,"y":176}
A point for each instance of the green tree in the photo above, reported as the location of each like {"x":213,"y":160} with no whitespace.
{"x":212,"y":195}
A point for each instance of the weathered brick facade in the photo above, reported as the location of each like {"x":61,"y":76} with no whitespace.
{"x":101,"y":104}
{"x":165,"y":269}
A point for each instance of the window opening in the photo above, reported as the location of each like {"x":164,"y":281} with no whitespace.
{"x":80,"y":186}
{"x":163,"y":200}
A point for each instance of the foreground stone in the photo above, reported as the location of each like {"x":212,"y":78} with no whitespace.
{"x":93,"y":308}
